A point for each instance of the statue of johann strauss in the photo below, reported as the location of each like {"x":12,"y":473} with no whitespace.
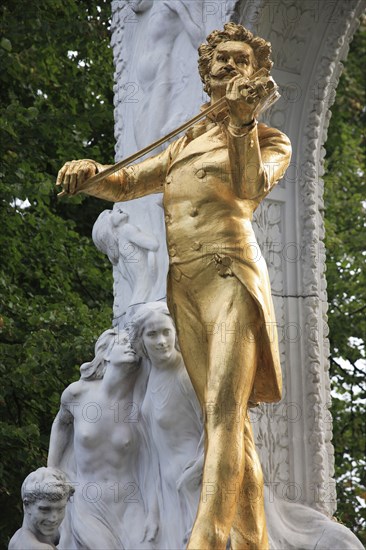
{"x":213,"y":178}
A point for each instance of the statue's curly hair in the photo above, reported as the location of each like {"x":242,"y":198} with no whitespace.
{"x":232,"y":32}
{"x":46,"y":483}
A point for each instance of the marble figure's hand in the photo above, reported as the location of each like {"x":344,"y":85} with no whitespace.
{"x":151,"y":530}
{"x":190,"y":478}
{"x":73,"y":174}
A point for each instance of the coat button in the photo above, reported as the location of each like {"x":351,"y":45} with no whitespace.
{"x":172,"y":251}
{"x":168,"y":219}
{"x":169,"y":180}
{"x":194,"y":212}
{"x":196,"y":245}
{"x":201,"y":173}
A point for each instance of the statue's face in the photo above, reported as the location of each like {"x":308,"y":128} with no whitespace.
{"x":118,"y":216}
{"x":230,"y":59}
{"x":45,"y":517}
{"x":159,"y":339}
{"x":122,"y":352}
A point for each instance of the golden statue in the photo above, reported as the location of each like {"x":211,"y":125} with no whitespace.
{"x":213,"y":178}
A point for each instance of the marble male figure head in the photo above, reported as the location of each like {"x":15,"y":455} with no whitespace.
{"x":45,"y":493}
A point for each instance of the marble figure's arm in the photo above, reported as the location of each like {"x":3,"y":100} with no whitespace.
{"x":140,"y":238}
{"x":61,"y":432}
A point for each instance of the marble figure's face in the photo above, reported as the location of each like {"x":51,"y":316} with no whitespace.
{"x":118,"y":216}
{"x":45,"y":516}
{"x":159,"y":338}
{"x":122,"y":352}
{"x":230,"y":59}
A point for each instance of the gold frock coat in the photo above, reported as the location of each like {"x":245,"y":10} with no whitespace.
{"x":213,"y":179}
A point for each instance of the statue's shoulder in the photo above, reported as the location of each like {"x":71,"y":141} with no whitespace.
{"x":265,"y":132}
{"x":24,"y":538}
{"x":13,"y":544}
{"x":271,"y":136}
{"x":185,"y":382}
{"x":74,"y":390}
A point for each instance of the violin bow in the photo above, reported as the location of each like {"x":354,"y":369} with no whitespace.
{"x":270,"y":99}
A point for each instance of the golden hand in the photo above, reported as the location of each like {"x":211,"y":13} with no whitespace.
{"x":73,"y":174}
{"x":247,"y":98}
{"x":240,"y":110}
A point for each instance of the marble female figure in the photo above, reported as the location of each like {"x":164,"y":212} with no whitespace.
{"x":98,"y":422}
{"x":132,"y":252}
{"x":173,"y":424}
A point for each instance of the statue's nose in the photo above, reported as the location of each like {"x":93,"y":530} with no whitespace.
{"x":231,"y":66}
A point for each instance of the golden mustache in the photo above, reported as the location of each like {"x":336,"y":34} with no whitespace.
{"x":224,"y":72}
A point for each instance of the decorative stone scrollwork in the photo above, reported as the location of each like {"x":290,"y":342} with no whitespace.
{"x":322,"y":88}
{"x":269,"y":421}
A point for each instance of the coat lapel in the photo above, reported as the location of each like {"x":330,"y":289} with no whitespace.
{"x":200,"y":140}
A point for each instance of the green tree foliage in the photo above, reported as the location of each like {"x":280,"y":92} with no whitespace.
{"x":55,"y":288}
{"x":346,"y":276}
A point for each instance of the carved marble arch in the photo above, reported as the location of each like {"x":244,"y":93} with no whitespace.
{"x":309,"y":39}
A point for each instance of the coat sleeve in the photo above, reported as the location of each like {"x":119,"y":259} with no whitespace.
{"x":137,"y":180}
{"x":258,"y":160}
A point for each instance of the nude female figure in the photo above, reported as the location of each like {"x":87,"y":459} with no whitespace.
{"x":131,"y":251}
{"x":98,"y":419}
